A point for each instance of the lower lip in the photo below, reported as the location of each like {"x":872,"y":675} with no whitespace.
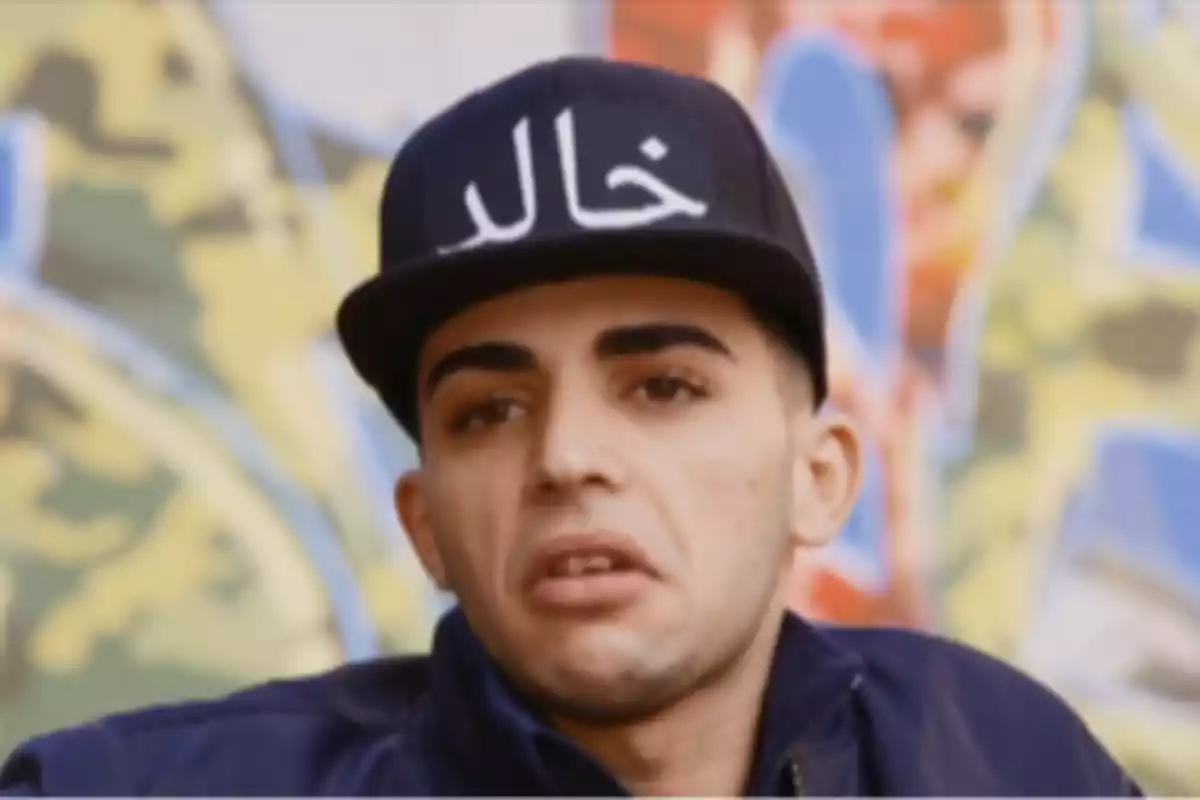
{"x":600,"y":591}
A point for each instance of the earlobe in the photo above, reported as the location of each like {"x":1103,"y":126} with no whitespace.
{"x":828,"y":479}
{"x":413,"y":513}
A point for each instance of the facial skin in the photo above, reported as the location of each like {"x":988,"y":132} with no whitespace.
{"x":656,"y":410}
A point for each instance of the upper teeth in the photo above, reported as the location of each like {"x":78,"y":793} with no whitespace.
{"x":573,"y":566}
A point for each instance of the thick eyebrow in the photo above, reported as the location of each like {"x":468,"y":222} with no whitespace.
{"x":633,"y":340}
{"x":493,"y":356}
{"x":628,"y":340}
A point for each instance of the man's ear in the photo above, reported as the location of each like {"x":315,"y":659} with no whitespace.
{"x":827,"y":477}
{"x":413,"y":512}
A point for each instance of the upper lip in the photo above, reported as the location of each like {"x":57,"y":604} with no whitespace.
{"x":602,"y":543}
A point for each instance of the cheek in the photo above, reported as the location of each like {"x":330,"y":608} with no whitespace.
{"x":742,"y":498}
{"x":730,"y":503}
{"x":473,"y":515}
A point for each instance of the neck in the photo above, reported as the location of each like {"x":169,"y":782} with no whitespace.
{"x":704,"y":745}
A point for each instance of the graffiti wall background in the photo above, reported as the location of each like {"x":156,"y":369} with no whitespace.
{"x":1005,"y":196}
{"x":1007,"y":199}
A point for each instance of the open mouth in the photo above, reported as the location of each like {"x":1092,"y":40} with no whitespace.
{"x":577,"y":565}
{"x":589,"y":572}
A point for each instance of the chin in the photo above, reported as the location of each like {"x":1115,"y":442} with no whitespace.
{"x":607,"y":699}
{"x":604,"y":648}
{"x":606,"y":675}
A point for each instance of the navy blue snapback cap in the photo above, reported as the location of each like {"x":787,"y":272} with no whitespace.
{"x":573,"y":168}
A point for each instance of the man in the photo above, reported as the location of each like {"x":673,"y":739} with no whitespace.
{"x":598,"y":314}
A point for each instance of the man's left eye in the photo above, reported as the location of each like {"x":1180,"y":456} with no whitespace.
{"x":668,"y":389}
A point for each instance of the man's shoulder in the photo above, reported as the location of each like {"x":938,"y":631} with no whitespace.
{"x":928,"y":658}
{"x":915,"y":667}
{"x":923,"y":691}
{"x":160,"y":748}
{"x":362,"y":694}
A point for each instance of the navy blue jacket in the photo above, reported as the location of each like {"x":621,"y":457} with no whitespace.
{"x":847,"y":712}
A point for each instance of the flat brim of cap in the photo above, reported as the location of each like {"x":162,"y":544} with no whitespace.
{"x":384,"y":321}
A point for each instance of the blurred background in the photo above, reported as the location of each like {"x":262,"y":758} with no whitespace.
{"x":1004,"y":195}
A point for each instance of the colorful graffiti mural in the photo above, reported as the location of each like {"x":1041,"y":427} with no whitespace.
{"x":1005,"y":197}
{"x":192,"y":488}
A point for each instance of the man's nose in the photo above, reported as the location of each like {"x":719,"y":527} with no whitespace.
{"x":576,"y":450}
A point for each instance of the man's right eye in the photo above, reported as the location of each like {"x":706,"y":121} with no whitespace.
{"x":490,"y":413}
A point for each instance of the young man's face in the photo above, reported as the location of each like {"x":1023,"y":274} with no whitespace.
{"x":615,"y":476}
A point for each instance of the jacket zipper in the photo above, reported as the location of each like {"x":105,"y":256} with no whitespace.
{"x":797,"y":777}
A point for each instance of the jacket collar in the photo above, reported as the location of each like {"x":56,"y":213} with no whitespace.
{"x":495,"y":743}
